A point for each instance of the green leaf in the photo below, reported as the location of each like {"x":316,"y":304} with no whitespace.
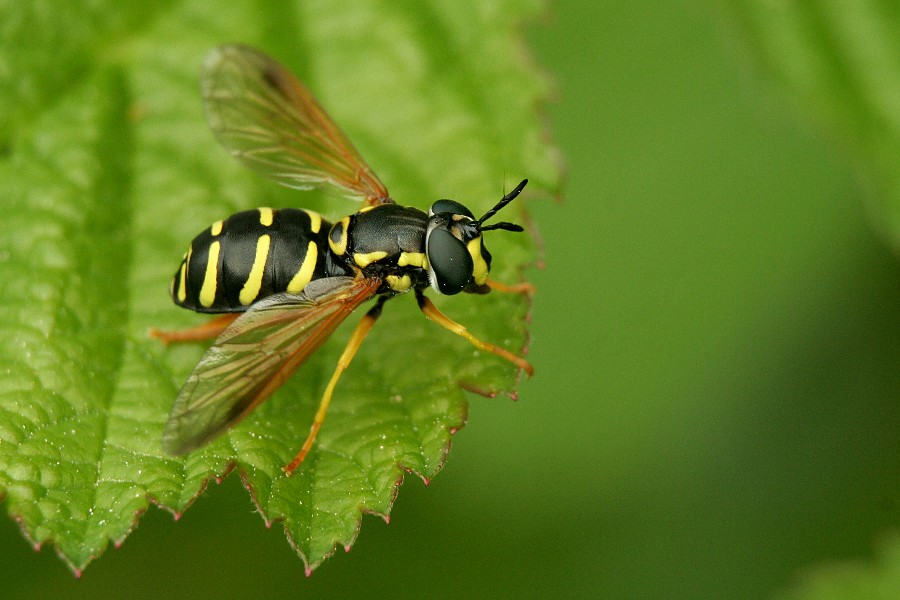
{"x":108,"y":171}
{"x":839,"y":61}
{"x":853,"y":581}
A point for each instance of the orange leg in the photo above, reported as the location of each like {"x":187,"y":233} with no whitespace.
{"x":431,"y":311}
{"x":516,"y":288}
{"x":356,"y":338}
{"x":207,"y":331}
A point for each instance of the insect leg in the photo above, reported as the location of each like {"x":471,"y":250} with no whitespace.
{"x":207,"y":331}
{"x":431,"y":311}
{"x":515,"y":288}
{"x":356,"y":338}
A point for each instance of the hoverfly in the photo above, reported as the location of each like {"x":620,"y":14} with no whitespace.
{"x":284,"y":279}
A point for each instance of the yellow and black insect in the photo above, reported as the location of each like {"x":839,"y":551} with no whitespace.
{"x":286,"y":278}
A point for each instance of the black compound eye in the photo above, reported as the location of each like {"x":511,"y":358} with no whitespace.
{"x":450,"y":262}
{"x":452,"y":207}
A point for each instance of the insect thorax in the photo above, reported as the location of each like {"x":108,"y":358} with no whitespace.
{"x":385,"y":241}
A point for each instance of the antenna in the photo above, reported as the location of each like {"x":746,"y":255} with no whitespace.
{"x":503,"y":202}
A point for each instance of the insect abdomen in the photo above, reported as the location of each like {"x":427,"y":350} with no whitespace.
{"x":251,"y":255}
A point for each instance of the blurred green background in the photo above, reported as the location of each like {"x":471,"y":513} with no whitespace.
{"x":716,"y":338}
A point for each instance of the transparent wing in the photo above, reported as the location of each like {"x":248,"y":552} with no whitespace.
{"x":255,"y":355}
{"x":269,"y":121}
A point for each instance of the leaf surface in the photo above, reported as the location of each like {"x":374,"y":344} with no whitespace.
{"x":108,"y":170}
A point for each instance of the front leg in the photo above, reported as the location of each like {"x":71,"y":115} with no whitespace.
{"x":430,"y":310}
{"x":515,"y":288}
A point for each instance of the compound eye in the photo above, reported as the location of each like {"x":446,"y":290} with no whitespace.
{"x":450,"y":206}
{"x":449,"y":261}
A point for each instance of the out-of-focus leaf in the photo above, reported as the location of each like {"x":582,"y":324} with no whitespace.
{"x":853,"y":581}
{"x":839,"y":61}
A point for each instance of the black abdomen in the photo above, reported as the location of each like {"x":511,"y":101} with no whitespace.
{"x":251,"y":255}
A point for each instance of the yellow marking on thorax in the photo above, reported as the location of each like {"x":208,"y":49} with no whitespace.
{"x":208,"y":289}
{"x":305,"y":273}
{"x":339,"y":247}
{"x":414,"y":259}
{"x":365,"y":209}
{"x":479,"y":266}
{"x":364,"y":259}
{"x":254,"y":281}
{"x":315,"y":221}
{"x":216,"y":228}
{"x":265,"y":216}
{"x":399,"y":283}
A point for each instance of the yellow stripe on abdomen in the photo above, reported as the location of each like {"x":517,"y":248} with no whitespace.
{"x":305,"y":273}
{"x":208,"y":290}
{"x":182,"y":281}
{"x":254,"y":281}
{"x":315,"y":221}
